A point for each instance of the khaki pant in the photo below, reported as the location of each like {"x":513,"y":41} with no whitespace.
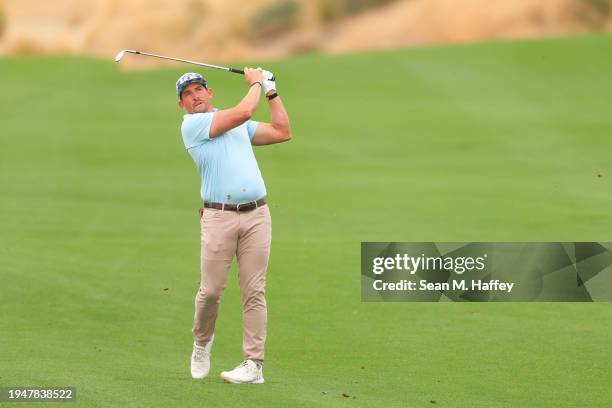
{"x":225,"y":234}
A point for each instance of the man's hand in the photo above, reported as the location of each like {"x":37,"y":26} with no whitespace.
{"x":269,"y":84}
{"x":252,"y":76}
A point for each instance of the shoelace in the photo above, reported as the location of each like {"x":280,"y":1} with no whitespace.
{"x":253,"y":368}
{"x":200,"y":354}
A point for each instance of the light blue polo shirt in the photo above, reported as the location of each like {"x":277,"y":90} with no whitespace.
{"x":226,"y":163}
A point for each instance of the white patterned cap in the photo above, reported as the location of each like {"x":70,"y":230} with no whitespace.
{"x":186,"y":79}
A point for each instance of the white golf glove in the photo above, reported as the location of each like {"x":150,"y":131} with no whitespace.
{"x":269,"y":83}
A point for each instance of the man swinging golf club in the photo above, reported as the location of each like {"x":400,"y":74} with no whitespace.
{"x":234,"y":220}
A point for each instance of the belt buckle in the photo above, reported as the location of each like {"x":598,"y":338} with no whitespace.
{"x":250,"y":203}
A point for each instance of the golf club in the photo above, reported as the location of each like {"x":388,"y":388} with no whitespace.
{"x":122,"y":53}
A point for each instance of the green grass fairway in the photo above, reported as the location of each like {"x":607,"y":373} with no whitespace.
{"x":495,"y":142}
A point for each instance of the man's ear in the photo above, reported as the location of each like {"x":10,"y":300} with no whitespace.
{"x":210,"y":91}
{"x":180,"y":104}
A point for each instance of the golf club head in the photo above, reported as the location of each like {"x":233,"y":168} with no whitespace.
{"x":122,"y":53}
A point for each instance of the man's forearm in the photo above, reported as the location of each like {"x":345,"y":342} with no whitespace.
{"x":250,"y":102}
{"x":280,"y":119}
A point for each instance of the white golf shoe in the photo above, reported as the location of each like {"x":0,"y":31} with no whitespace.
{"x":200,"y":360}
{"x":246,"y":373}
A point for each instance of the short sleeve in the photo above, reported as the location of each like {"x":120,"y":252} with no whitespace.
{"x":196,"y":129}
{"x":251,"y":128}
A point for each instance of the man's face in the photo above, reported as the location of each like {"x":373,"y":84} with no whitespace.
{"x":196,"y":98}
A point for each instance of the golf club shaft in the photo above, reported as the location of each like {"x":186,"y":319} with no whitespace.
{"x":234,"y":70}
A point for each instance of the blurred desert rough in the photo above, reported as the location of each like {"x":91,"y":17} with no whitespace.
{"x":2,"y":20}
{"x":241,"y":29}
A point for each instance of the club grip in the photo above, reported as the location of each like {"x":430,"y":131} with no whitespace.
{"x":236,"y":71}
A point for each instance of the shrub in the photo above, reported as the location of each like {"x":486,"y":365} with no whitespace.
{"x":602,"y":6}
{"x":2,"y":22}
{"x":334,"y":9}
{"x":594,"y":13}
{"x":276,"y":19}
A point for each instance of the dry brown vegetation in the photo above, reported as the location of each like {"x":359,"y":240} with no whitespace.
{"x":240,"y":29}
{"x":2,"y":20}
